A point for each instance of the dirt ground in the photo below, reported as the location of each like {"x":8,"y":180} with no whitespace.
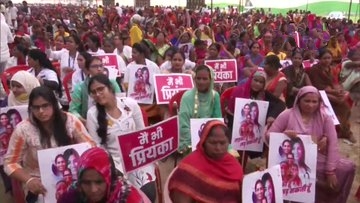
{"x":351,"y":151}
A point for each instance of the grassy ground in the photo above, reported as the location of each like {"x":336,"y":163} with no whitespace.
{"x":320,"y":8}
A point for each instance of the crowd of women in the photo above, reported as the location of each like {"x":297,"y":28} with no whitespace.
{"x":173,"y":40}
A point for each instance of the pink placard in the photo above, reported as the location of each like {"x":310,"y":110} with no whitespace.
{"x":225,"y":70}
{"x":109,"y":60}
{"x":146,"y":146}
{"x":308,"y":64}
{"x":167,"y":85}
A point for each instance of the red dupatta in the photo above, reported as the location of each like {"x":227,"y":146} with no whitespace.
{"x":244,"y":91}
{"x":205,"y":179}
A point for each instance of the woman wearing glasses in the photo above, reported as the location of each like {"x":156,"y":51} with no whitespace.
{"x":47,"y":127}
{"x":112,"y":117}
{"x":80,"y":100}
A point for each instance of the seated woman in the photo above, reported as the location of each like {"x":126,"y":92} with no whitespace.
{"x":210,"y":173}
{"x":253,"y":59}
{"x":200,"y":102}
{"x":80,"y":74}
{"x":254,"y":89}
{"x":334,"y":174}
{"x":321,"y":77}
{"x":80,"y":101}
{"x":21,"y":85}
{"x":275,"y":80}
{"x":188,"y":65}
{"x":112,"y":117}
{"x":177,"y":66}
{"x":96,"y":167}
{"x":44,"y":71}
{"x":296,"y":77}
{"x":47,"y":127}
{"x":140,"y":55}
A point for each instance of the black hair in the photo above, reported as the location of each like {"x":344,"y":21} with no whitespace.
{"x":58,"y":121}
{"x":101,"y":117}
{"x":95,"y":39}
{"x":297,"y":51}
{"x":142,"y":48}
{"x":198,"y":42}
{"x":170,"y":51}
{"x":179,"y":52}
{"x":273,"y":61}
{"x":63,"y":38}
{"x":202,"y":67}
{"x":86,"y":56}
{"x":265,"y":178}
{"x":44,"y":62}
{"x":324,"y":51}
{"x":216,"y":45}
{"x":22,"y":49}
{"x":77,"y":42}
{"x":252,"y":44}
{"x":88,"y":61}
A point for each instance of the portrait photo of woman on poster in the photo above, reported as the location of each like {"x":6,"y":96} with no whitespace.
{"x":294,"y":170}
{"x":14,"y":117}
{"x":259,"y":192}
{"x":254,"y":113}
{"x":72,"y":158}
{"x":59,"y":166}
{"x":285,"y":149}
{"x":269,"y":188}
{"x":142,"y":84}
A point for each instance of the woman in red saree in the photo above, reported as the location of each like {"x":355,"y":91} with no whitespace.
{"x":276,"y":82}
{"x":209,"y":174}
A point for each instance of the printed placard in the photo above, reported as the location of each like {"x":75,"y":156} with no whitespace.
{"x":141,"y":83}
{"x":308,"y":64}
{"x":109,"y":60}
{"x":263,"y":186}
{"x":186,"y":48}
{"x":58,"y":169}
{"x":196,"y":126}
{"x":167,"y":85}
{"x":9,"y":118}
{"x":328,"y":108}
{"x":225,"y":70}
{"x":110,"y":63}
{"x":146,"y":146}
{"x":249,"y":124}
{"x":297,"y":159}
{"x":285,"y":63}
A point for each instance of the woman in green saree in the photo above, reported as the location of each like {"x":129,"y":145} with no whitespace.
{"x":200,"y":102}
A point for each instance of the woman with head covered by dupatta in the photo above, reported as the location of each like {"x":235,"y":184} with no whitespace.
{"x":334,"y":174}
{"x":210,"y":173}
{"x":202,"y":101}
{"x":98,"y":182}
{"x":254,"y":89}
{"x":21,"y":85}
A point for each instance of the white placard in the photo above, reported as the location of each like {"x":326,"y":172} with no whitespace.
{"x":328,"y":108}
{"x":196,"y":125}
{"x":10,"y":117}
{"x":58,"y":168}
{"x":249,"y":124}
{"x":263,"y":186}
{"x":297,"y":158}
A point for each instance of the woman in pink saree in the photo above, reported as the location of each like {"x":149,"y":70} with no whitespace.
{"x":335,"y":175}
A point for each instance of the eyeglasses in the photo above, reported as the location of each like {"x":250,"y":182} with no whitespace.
{"x":98,"y":90}
{"x":96,"y":66}
{"x":42,"y":106}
